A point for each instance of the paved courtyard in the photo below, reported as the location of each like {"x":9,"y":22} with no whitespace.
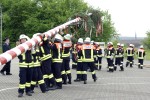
{"x":132,"y":84}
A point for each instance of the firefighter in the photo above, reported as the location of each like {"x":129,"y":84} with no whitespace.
{"x":130,"y":54}
{"x":118,"y":55}
{"x":95,"y":58}
{"x":46,"y":60}
{"x":57,"y":60}
{"x":74,"y":56}
{"x":87,"y":52}
{"x":67,"y":44}
{"x":110,"y":56}
{"x":37,"y":77}
{"x":141,"y":54}
{"x":122,"y":54}
{"x":99,"y":56}
{"x":25,"y":69}
{"x":79,"y":60}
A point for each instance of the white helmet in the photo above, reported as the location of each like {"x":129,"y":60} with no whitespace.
{"x":58,"y":37}
{"x":80,"y":40}
{"x":110,"y":43}
{"x":22,"y":36}
{"x":87,"y":40}
{"x":118,"y":44}
{"x":92,"y":42}
{"x":141,"y":46}
{"x":130,"y":45}
{"x":67,"y":37}
{"x":133,"y":45}
{"x":122,"y":45}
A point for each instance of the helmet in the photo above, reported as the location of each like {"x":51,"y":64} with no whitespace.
{"x":122,"y":45}
{"x":133,"y":45}
{"x":87,"y":40}
{"x":22,"y":36}
{"x":118,"y":44}
{"x":80,"y":40}
{"x":141,"y":46}
{"x":92,"y":42}
{"x":130,"y":45}
{"x":67,"y":37}
{"x":58,"y":37}
{"x":97,"y":43}
{"x":110,"y":43}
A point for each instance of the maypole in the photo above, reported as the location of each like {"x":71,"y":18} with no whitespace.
{"x":11,"y":54}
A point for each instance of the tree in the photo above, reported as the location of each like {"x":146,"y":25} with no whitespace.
{"x":146,"y":41}
{"x":32,"y":16}
{"x":88,"y":26}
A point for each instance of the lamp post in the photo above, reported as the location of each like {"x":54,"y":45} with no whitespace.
{"x":0,"y":26}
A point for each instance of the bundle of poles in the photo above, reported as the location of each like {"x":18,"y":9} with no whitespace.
{"x":14,"y":52}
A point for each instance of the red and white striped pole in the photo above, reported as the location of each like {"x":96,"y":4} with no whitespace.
{"x":11,"y":54}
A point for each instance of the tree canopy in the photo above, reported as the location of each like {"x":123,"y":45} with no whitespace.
{"x":34,"y":16}
{"x":146,"y":41}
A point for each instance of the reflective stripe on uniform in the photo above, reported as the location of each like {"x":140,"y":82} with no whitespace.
{"x":23,"y":64}
{"x":59,"y":80}
{"x":93,"y":72}
{"x":45,"y":76}
{"x":66,"y":55}
{"x":33,"y":82}
{"x":51,"y":76}
{"x":68,"y":72}
{"x":57,"y":60}
{"x":36,"y":64}
{"x":84,"y":72}
{"x":41,"y":82}
{"x":63,"y":72}
{"x":73,"y":63}
{"x":79,"y":72}
{"x":45,"y":57}
{"x":111,"y":67}
{"x":21,"y":86}
{"x":88,"y":59}
{"x":28,"y":84}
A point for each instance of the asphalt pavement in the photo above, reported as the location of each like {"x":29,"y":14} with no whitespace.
{"x":132,"y":84}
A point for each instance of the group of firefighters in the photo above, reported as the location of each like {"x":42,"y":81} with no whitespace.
{"x":48,"y":62}
{"x":114,"y":56}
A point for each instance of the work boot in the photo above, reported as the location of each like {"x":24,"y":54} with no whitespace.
{"x":99,"y":68}
{"x":8,"y":73}
{"x":20,"y":95}
{"x":77,"y":80}
{"x":45,"y":91}
{"x":95,"y":79}
{"x":2,"y":73}
{"x":65,"y":83}
{"x":58,"y":87}
{"x":85,"y":82}
{"x":69,"y":82}
{"x":31,"y":91}
{"x":52,"y":88}
{"x":28,"y":94}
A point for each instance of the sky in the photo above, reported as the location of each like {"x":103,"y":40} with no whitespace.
{"x":130,"y":17}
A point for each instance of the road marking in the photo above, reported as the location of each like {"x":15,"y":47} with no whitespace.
{"x":121,"y":77}
{"x":8,"y":89}
{"x":110,"y":84}
{"x":146,"y":83}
